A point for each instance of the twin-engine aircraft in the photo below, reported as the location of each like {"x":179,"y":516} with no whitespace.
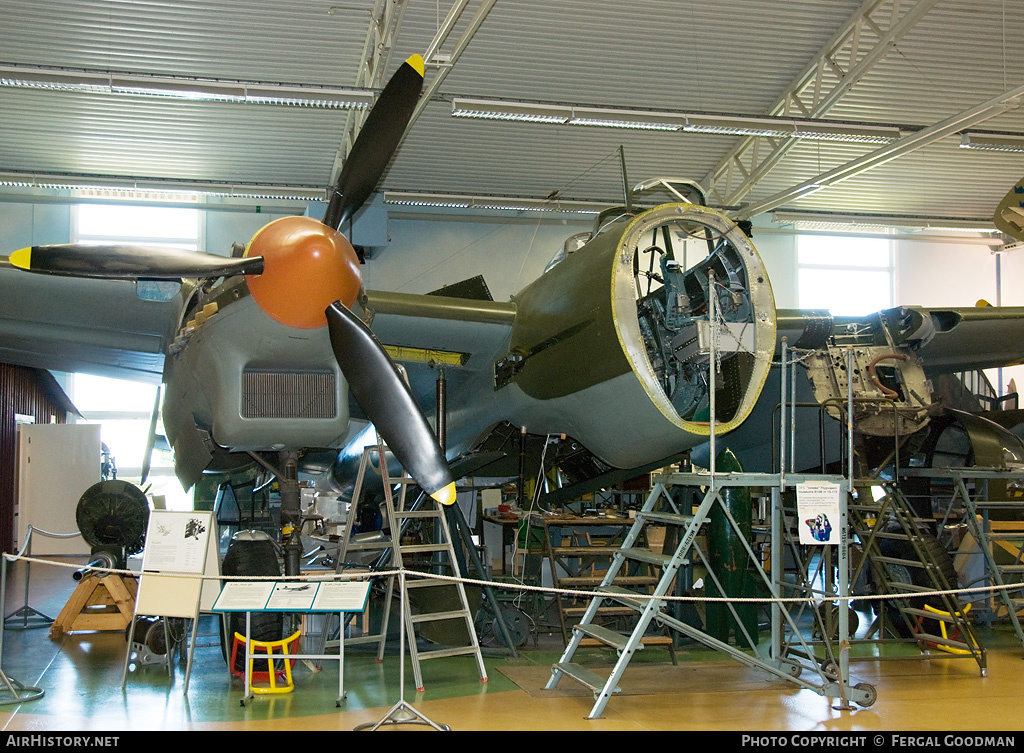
{"x":611,"y":351}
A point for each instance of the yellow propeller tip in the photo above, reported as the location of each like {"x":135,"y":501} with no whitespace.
{"x":982,"y":303}
{"x":445,"y":496}
{"x":416,"y":61}
{"x":21,"y":258}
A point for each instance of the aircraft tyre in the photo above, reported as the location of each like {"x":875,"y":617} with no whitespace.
{"x":902,"y":549}
{"x":251,"y":553}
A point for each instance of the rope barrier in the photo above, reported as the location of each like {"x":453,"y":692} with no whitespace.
{"x":362,"y":576}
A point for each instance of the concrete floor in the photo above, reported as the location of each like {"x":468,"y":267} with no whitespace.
{"x":81,"y":678}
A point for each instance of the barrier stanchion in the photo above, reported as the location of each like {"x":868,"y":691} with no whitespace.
{"x":19,"y":693}
{"x":28,"y":616}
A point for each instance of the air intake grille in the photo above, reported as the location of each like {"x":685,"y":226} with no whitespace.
{"x":281,"y":394}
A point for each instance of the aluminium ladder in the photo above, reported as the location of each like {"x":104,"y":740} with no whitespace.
{"x":442,"y":557}
{"x":1004,"y":536}
{"x":903,"y":560}
{"x":649,"y":606}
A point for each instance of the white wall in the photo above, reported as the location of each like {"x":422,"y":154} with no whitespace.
{"x":35,"y":224}
{"x":778,"y":252}
{"x":935,"y":273}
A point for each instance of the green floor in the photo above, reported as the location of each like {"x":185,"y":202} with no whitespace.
{"x":81,"y":678}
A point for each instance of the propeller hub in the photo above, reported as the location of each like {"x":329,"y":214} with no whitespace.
{"x":307,"y":267}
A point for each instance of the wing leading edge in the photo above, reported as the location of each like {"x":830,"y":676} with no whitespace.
{"x":98,"y":327}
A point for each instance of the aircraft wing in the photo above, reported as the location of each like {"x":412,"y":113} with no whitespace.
{"x":425,"y":333}
{"x":946,"y":339}
{"x":80,"y":325}
{"x":982,"y":337}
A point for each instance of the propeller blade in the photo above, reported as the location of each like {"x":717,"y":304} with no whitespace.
{"x":388,"y":402}
{"x":377,"y":141}
{"x":125,"y":262}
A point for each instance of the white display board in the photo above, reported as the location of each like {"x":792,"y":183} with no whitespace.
{"x":178,"y":545}
{"x":293,"y":596}
{"x":56,"y":464}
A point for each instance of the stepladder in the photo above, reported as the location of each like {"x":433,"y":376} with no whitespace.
{"x":417,"y":543}
{"x":907,"y":561}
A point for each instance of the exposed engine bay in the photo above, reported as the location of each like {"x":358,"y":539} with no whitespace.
{"x":892,"y":395}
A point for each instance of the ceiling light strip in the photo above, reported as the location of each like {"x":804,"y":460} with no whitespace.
{"x":991,"y":142}
{"x":651,"y":120}
{"x":139,"y":186}
{"x":495,"y":203}
{"x":206,"y":90}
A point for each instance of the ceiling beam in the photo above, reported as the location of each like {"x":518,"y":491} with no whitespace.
{"x":812,"y":95}
{"x":385,"y":20}
{"x":1008,"y":100}
{"x":446,"y":61}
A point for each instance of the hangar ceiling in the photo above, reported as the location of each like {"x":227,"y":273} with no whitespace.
{"x":71,"y":111}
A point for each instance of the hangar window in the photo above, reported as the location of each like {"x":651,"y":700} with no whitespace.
{"x":123,"y":409}
{"x":846,"y":275}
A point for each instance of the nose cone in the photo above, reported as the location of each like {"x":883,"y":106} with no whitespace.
{"x":307,"y":267}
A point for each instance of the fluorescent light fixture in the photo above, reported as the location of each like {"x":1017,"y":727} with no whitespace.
{"x":785,"y":128}
{"x":866,"y":134}
{"x":150,"y":187}
{"x":813,"y":219}
{"x":494,"y":203}
{"x":651,"y":120}
{"x":499,"y":110}
{"x":178,"y":89}
{"x":306,"y":96}
{"x":426,"y":200}
{"x":205,"y":90}
{"x":992,"y":142}
{"x":636,"y":119}
{"x":57,"y":80}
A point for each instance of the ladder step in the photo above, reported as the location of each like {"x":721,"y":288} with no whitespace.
{"x":668,"y":518}
{"x":627,"y":597}
{"x":370,"y":546}
{"x":583,"y":551}
{"x":910,"y":588}
{"x":438,"y":616}
{"x":595,"y":580}
{"x":606,"y":636}
{"x":1011,"y":568}
{"x":601,"y":611}
{"x":414,"y":548}
{"x":584,"y":676}
{"x":441,"y":653}
{"x":360,"y":639}
{"x":646,"y":555}
{"x":893,"y":535}
{"x":896,"y":586}
{"x":897,"y":561}
{"x":428,"y":582}
{"x":940,"y":641}
{"x":435,"y":513}
{"x":951,"y":618}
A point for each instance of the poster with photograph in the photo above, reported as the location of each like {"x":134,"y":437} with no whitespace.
{"x":817,"y":504}
{"x":180,"y":550}
{"x":176,"y":542}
